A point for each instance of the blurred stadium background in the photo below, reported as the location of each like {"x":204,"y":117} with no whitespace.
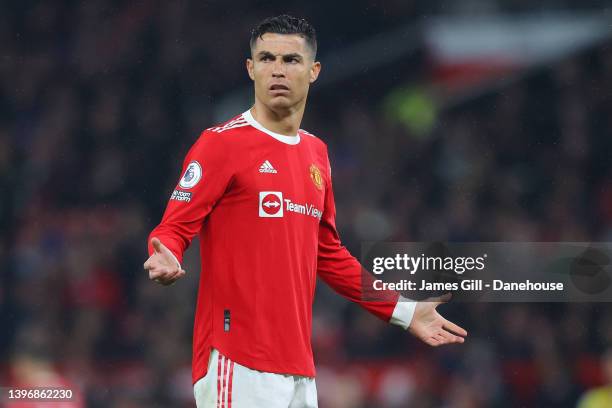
{"x":457,"y":121}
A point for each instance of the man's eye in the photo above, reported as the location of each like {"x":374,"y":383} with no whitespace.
{"x":266,"y":58}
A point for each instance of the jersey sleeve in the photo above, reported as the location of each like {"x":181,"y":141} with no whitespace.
{"x":206,"y":174}
{"x":345,"y":275}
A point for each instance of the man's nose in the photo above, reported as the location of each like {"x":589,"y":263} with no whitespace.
{"x":278,"y":69}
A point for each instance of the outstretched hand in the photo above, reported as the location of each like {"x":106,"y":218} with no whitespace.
{"x":429,"y":326}
{"x":162,"y":265}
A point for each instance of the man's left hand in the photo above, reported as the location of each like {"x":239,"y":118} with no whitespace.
{"x":429,"y":326}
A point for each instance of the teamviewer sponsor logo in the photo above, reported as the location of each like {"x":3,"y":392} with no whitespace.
{"x":270,"y":204}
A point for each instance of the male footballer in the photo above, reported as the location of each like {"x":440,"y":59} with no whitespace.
{"x":258,"y":191}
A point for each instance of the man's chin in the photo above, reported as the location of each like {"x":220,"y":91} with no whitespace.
{"x":280,"y":102}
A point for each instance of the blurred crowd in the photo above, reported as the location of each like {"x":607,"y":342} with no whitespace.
{"x":100,"y":100}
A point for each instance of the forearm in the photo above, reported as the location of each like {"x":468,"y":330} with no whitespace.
{"x":345,"y":275}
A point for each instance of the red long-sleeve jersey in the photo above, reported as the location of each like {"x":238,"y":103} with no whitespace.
{"x":263,"y":206}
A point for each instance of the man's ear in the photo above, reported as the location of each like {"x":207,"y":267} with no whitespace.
{"x":314,"y":71}
{"x":249,"y":67}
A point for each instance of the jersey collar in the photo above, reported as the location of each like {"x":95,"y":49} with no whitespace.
{"x":291,"y":140}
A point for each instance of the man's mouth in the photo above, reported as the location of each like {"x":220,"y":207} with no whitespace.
{"x":279,"y":87}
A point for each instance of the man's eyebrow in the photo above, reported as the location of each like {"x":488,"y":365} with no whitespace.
{"x":292,"y":55}
{"x":284,"y":56}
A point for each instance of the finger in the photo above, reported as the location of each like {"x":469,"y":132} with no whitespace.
{"x":458,"y":339}
{"x":157,"y":245}
{"x":444,"y":337}
{"x":156,"y":268}
{"x":441,"y":338}
{"x":154,"y":275}
{"x":159,"y":273}
{"x":168,"y":277}
{"x":172,"y":274}
{"x":452,"y":327}
{"x":451,"y":338}
{"x":150,"y":263}
{"x":171,"y":280}
{"x":165,"y":272}
{"x":432,"y":341}
{"x":177,"y":276}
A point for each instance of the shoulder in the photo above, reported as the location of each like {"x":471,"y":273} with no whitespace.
{"x":320,"y":148}
{"x":234,"y":123}
{"x":220,"y":134}
{"x":311,"y":138}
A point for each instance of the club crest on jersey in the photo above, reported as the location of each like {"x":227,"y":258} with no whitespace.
{"x":317,"y":178}
{"x":192,"y":176}
{"x":270,"y":204}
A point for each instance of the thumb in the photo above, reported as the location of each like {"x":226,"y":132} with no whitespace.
{"x":157,"y":245}
{"x":442,"y":299}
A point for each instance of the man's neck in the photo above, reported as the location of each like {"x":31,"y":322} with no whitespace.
{"x":283,"y":122}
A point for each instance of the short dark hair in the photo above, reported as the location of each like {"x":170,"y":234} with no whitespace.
{"x":286,"y":24}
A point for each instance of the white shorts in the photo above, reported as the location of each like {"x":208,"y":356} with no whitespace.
{"x":231,"y":385}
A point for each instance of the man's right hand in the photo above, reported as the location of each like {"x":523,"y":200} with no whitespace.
{"x":162,"y":265}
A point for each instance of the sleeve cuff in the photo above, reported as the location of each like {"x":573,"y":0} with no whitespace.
{"x":403,"y":312}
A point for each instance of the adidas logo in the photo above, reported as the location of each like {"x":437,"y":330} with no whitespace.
{"x":266,"y":167}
